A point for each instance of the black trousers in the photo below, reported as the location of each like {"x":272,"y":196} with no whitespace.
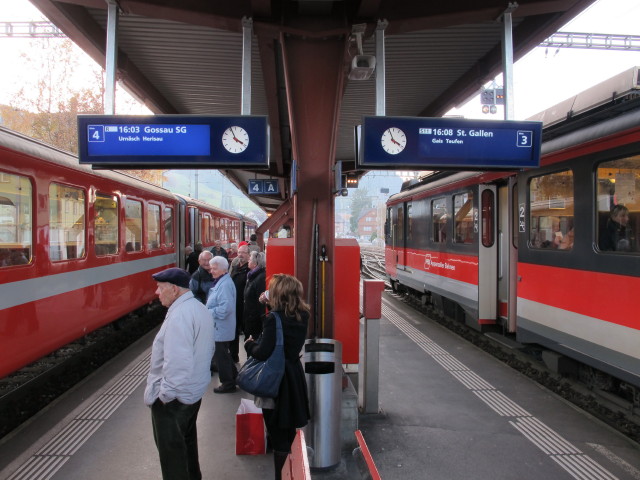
{"x":176,"y":436}
{"x":227,"y":370}
{"x":281,"y":438}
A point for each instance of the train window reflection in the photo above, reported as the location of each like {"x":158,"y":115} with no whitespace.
{"x":133,"y":226}
{"x":153,"y":226}
{"x":551,"y":211}
{"x":618,"y":205}
{"x":205,"y":229}
{"x":66,"y":222}
{"x":15,"y":220}
{"x":106,"y":224}
{"x":168,"y":227}
{"x":463,"y":215}
{"x":440,"y":218}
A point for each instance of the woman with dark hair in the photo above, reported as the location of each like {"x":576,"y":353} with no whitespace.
{"x":290,"y":409}
{"x":256,"y":284}
{"x":617,"y":234}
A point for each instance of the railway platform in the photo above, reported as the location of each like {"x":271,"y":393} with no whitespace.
{"x":447,"y":411}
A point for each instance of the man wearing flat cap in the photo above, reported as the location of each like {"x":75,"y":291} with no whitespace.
{"x":179,"y":375}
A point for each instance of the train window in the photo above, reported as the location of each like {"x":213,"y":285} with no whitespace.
{"x":516,"y":215}
{"x":168,"y":227}
{"x":235,"y":234}
{"x":618,"y":205}
{"x":216,"y":227}
{"x":440,"y":219}
{"x":153,"y":226}
{"x":463,"y":217}
{"x":66,"y":222}
{"x":223,"y":230}
{"x":409,"y":236}
{"x":106,"y":224}
{"x":15,"y":220}
{"x":205,"y":224}
{"x":400,"y":230}
{"x":551,"y":211}
{"x":133,"y":226}
{"x":488,"y":216}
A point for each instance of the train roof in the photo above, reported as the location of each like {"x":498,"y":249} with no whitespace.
{"x":201,"y":204}
{"x":608,"y":99}
{"x":35,"y":148}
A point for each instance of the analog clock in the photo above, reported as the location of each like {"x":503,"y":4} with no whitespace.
{"x":235,"y":139}
{"x":393,"y":140}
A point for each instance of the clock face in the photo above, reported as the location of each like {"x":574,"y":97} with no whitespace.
{"x":235,"y":139}
{"x":393,"y":140}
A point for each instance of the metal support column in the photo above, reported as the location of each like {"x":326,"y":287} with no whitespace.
{"x":380,"y":69}
{"x":247,"y":28}
{"x":369,"y":368}
{"x":507,"y":61}
{"x":111,"y":58}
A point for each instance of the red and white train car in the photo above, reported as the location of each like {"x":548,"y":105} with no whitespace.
{"x":532,"y":253}
{"x":78,"y":247}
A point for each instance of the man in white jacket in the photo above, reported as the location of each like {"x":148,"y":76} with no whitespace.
{"x":179,"y":375}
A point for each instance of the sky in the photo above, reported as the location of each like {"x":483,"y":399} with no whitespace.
{"x":541,"y":79}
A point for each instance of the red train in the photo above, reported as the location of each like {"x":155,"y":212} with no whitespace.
{"x":552,"y":254}
{"x":77,"y":246}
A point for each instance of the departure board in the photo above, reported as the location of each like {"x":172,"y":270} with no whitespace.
{"x":173,"y":141}
{"x":420,"y":143}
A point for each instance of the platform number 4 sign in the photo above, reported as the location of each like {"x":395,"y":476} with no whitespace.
{"x":263,"y":187}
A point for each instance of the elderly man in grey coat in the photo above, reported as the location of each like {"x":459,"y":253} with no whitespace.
{"x":221,"y":302}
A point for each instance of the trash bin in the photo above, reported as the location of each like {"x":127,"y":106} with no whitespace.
{"x":323,"y":368}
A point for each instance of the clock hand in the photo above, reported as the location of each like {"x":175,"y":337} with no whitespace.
{"x":397,"y":143}
{"x":235,"y":138}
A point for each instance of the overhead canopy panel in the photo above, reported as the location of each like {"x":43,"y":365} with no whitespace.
{"x":185,"y":57}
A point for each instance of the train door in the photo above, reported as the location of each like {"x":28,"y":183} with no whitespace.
{"x":390,"y":255}
{"x":399,"y":237}
{"x":508,"y":221}
{"x":487,"y":255}
{"x":193,"y":226}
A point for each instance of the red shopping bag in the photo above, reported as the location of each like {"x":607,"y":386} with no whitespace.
{"x":250,"y":432}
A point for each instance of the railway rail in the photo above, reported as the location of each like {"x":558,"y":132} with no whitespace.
{"x":617,"y":412}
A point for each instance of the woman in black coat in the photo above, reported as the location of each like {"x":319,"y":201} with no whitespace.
{"x":290,"y":409}
{"x":254,"y":310}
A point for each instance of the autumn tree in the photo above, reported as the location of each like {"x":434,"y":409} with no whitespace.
{"x":50,"y":95}
{"x":47,"y":104}
{"x":360,"y":202}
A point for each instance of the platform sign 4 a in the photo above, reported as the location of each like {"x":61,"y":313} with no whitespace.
{"x":263,"y":187}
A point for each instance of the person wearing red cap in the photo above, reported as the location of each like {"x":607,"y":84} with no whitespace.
{"x":179,"y":375}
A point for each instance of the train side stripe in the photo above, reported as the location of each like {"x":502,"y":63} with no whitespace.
{"x":608,"y":297}
{"x":615,"y":342}
{"x":25,"y":291}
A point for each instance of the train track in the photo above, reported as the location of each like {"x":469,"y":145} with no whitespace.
{"x":619,"y":413}
{"x":30,"y":389}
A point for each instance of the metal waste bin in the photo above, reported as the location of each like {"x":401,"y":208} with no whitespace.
{"x":323,"y":368}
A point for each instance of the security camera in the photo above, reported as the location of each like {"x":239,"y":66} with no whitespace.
{"x":344,"y":192}
{"x":362,"y":67}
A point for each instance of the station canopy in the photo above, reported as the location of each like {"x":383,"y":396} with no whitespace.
{"x":184,"y":57}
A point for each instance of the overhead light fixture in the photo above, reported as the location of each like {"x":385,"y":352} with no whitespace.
{"x":362,"y":66}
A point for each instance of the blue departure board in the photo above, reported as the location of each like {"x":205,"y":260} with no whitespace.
{"x":421,"y":143}
{"x":173,"y":141}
